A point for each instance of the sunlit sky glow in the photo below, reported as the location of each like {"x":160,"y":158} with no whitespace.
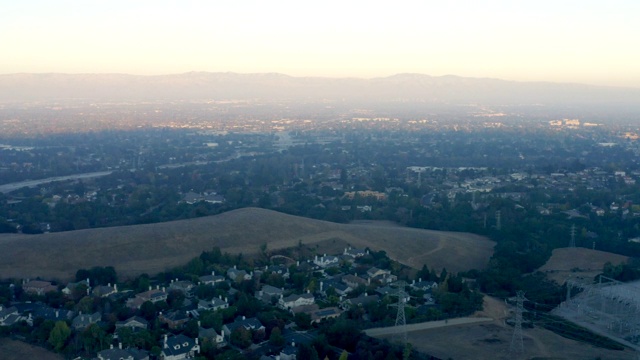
{"x":593,"y":42}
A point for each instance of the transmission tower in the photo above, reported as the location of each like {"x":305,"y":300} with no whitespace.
{"x":572,"y":243}
{"x":517,"y":345}
{"x":498,"y":220}
{"x":401,"y":321}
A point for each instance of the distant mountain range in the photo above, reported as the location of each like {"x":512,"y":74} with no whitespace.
{"x":278,"y":87}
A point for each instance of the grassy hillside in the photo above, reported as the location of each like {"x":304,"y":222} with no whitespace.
{"x":153,"y":248}
{"x":574,"y":263}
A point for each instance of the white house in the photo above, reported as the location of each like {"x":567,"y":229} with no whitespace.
{"x":326,"y":261}
{"x":295,"y":300}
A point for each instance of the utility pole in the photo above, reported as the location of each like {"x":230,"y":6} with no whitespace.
{"x":517,"y":345}
{"x":401,"y":321}
{"x":572,"y":243}
{"x":498,"y":220}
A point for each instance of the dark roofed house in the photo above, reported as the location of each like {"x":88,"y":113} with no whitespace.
{"x":289,"y":352}
{"x":214,"y":304}
{"x":211,"y":279}
{"x":153,"y":295}
{"x":326,"y":313}
{"x":248,"y":323}
{"x":268,"y":292}
{"x":81,"y":321}
{"x":361,"y":300}
{"x":354,"y":281}
{"x":38,"y":287}
{"x":174,"y":319}
{"x":211,"y":335}
{"x":73,"y":286}
{"x":123,"y":354}
{"x":134,"y":322}
{"x":179,"y":347}
{"x":184,"y":286}
{"x":49,"y":313}
{"x":104,"y":290}
{"x":9,"y":316}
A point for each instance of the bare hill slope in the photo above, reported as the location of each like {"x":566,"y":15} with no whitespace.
{"x":153,"y":248}
{"x":578,"y":263}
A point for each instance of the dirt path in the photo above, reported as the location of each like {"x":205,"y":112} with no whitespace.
{"x":426,"y":325}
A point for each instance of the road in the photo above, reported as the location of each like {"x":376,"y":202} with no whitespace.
{"x":375,"y":332}
{"x":31,"y":183}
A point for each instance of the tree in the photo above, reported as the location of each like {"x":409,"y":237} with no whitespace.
{"x":344,"y":355}
{"x":302,"y":320}
{"x":307,"y":352}
{"x":175,"y":299}
{"x":94,"y":338}
{"x":191,"y":329}
{"x":59,"y":335}
{"x":241,"y":337}
{"x":148,"y":310}
{"x":276,"y":338}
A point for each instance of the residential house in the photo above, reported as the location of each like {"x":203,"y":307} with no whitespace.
{"x":104,"y":290}
{"x":73,"y":286}
{"x":277,"y":269}
{"x":326,"y":313}
{"x":361,"y":300}
{"x":210,"y":335}
{"x":179,"y":347}
{"x":153,"y":295}
{"x":82,"y":321}
{"x":289,"y":352}
{"x":184,"y":286}
{"x":295,"y":300}
{"x":339,"y":287}
{"x":38,"y":287}
{"x":268,"y":293}
{"x":134,"y":323}
{"x":193,"y":198}
{"x":215,"y":304}
{"x":49,"y":313}
{"x":123,"y":354}
{"x":238,"y":275}
{"x":9,"y":316}
{"x":251,"y":324}
{"x":174,"y":319}
{"x":355,"y":253}
{"x":386,"y":290}
{"x":326,"y":261}
{"x":354,"y":281}
{"x":380,"y":275}
{"x":423,"y":285}
{"x":211,"y":279}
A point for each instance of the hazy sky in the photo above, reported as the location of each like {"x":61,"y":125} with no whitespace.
{"x":596,"y":42}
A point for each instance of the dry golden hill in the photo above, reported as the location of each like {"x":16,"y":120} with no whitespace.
{"x":578,"y":263}
{"x":152,"y":248}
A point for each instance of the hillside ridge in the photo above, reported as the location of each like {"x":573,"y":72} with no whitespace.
{"x":152,"y":248}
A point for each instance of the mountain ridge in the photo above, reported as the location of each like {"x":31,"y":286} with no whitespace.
{"x":23,"y":87}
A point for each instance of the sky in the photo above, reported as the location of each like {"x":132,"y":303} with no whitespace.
{"x":591,"y":42}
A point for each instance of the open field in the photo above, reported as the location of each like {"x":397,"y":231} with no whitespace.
{"x":18,"y":350}
{"x":578,"y":263}
{"x":152,"y":248}
{"x":492,"y":340}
